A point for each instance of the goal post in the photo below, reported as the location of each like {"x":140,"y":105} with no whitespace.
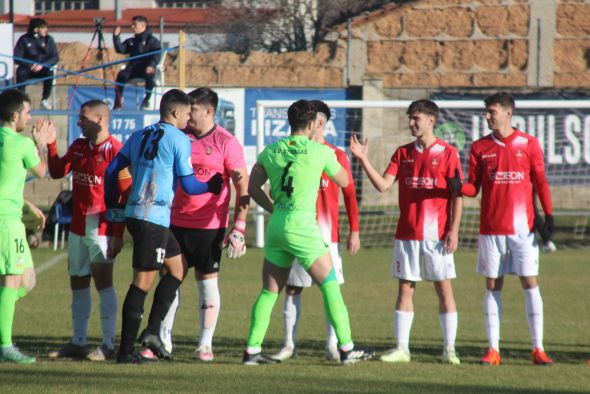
{"x":562,"y":127}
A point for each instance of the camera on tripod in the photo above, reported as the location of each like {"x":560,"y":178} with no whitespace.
{"x":99,"y":22}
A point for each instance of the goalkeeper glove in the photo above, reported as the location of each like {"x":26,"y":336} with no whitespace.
{"x":235,"y":240}
{"x":455,"y":183}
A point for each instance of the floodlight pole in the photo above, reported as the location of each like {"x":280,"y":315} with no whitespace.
{"x":181,"y":61}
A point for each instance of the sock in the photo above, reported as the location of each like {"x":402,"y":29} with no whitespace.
{"x":132,"y":315}
{"x":534,"y":310}
{"x":448,"y":325}
{"x":168,"y":322}
{"x":336,"y":311}
{"x":492,"y":313}
{"x":331,"y":339}
{"x":402,"y":325}
{"x":8,"y":298}
{"x":260,"y":319}
{"x":108,"y":316}
{"x":291,"y":315}
{"x":209,"y":311}
{"x":81,"y":307}
{"x":163,"y":299}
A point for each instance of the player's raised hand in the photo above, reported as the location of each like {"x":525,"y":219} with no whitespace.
{"x":455,"y":183}
{"x":117,"y":30}
{"x":360,"y":151}
{"x":353,"y":243}
{"x":215,"y":184}
{"x":451,"y":242}
{"x":44,"y":132}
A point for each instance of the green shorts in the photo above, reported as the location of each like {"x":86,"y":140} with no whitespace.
{"x":293,"y":235}
{"x":15,"y":255}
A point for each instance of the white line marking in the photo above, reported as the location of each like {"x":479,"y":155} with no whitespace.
{"x":50,"y":263}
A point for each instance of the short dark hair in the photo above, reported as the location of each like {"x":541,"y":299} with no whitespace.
{"x":204,"y":96}
{"x":321,"y":107}
{"x":140,"y":18}
{"x":504,"y":99}
{"x":35,"y":23}
{"x":426,"y":107}
{"x":11,"y":101}
{"x":300,"y":113}
{"x":172,"y":99}
{"x":92,"y":104}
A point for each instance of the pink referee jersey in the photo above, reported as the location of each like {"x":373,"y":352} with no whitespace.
{"x":216,"y":151}
{"x":506,"y":170}
{"x":424,"y":199}
{"x":327,"y":204}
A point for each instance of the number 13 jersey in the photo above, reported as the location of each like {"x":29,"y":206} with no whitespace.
{"x":158,"y":155}
{"x":294,"y":166}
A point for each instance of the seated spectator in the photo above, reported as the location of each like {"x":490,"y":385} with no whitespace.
{"x":144,"y":67}
{"x":38,"y":46}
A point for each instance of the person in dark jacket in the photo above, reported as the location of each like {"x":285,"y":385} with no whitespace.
{"x":144,"y":67}
{"x":38,"y":46}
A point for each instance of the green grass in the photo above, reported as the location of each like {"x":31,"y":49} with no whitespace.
{"x":42,"y":324}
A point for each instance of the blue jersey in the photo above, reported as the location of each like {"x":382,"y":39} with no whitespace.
{"x":158,"y":155}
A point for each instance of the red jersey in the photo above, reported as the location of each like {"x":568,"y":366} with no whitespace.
{"x":88,"y":164}
{"x":327,"y":203}
{"x":424,"y":199}
{"x":506,"y":169}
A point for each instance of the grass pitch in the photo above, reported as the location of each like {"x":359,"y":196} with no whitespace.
{"x":43,"y":322}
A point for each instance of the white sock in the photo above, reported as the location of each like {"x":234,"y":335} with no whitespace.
{"x":209,"y":311}
{"x":331,"y":339}
{"x":81,"y":307}
{"x":168,"y":322}
{"x":108,"y":316}
{"x":534,"y":310}
{"x":492,"y":313}
{"x":448,"y":325}
{"x":291,"y":314}
{"x":402,"y":325}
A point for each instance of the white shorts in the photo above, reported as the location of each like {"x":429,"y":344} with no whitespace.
{"x":300,"y":278}
{"x":85,"y":250}
{"x":498,"y":255}
{"x":407,"y":255}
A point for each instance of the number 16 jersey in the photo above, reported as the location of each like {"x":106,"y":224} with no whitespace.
{"x":294,"y":166}
{"x":158,"y":155}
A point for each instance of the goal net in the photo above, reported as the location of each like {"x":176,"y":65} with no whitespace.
{"x":562,"y":127}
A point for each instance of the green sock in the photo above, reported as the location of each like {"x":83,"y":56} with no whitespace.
{"x":336,"y":310}
{"x":8,"y":298}
{"x":260,"y":318}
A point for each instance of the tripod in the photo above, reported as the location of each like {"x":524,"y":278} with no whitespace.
{"x":102,"y":54}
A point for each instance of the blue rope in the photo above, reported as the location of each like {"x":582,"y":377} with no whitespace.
{"x":82,"y":71}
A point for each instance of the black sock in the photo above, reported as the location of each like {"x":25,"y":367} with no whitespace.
{"x":163,"y":298}
{"x":132,"y":315}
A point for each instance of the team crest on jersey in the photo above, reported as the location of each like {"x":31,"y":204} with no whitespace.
{"x":208,"y":150}
{"x":99,"y":160}
{"x":519,"y":154}
{"x":434,"y":162}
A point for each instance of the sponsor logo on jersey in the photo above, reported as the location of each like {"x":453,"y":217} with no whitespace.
{"x":202,"y":171}
{"x":407,"y":161}
{"x":87,"y":179}
{"x":507,"y":176}
{"x":291,"y":151}
{"x":324,"y":183}
{"x":416,"y":182}
{"x":488,"y":156}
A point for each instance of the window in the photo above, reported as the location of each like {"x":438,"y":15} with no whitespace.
{"x":187,"y":3}
{"x":44,"y":6}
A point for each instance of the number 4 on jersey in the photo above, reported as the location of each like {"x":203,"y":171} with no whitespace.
{"x":287,"y":181}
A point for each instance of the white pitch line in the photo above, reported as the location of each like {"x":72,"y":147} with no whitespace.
{"x":50,"y":263}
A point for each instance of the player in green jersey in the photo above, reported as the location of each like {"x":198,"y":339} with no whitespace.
{"x":17,"y":155}
{"x":294,"y":166}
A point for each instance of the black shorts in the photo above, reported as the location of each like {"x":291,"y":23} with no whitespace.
{"x":200,"y":247}
{"x":152,"y":243}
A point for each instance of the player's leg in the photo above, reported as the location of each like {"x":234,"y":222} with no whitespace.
{"x":208,"y":261}
{"x":331,"y":338}
{"x":406,"y":267}
{"x":12,"y":264}
{"x":274,"y":278}
{"x":524,"y":252}
{"x":122,"y":77}
{"x":150,"y":83}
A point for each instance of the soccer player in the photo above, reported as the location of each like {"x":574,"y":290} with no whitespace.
{"x":505,"y":165}
{"x":17,"y":155}
{"x":158,"y":156}
{"x":328,"y":212}
{"x":93,"y":243}
{"x":294,"y":167}
{"x":199,"y":222}
{"x":428,"y":225}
